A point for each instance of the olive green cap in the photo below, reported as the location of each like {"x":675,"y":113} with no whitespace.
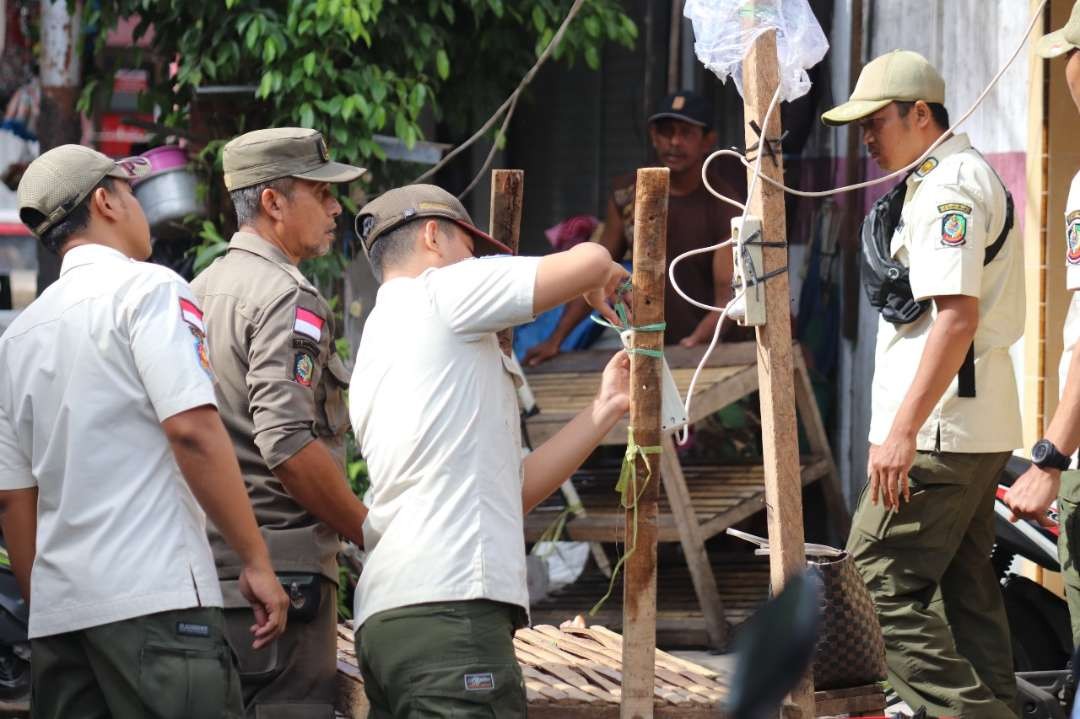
{"x":56,"y":183}
{"x":1061,"y":41}
{"x":265,"y":155}
{"x":900,"y":75}
{"x":402,"y":205}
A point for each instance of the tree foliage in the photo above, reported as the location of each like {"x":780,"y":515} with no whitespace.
{"x":354,"y":68}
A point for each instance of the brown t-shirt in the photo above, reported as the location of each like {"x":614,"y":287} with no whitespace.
{"x":694,"y":220}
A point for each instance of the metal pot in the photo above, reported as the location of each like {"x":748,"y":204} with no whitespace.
{"x":168,"y":194}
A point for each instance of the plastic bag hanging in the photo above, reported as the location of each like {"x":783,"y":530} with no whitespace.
{"x":724,"y":30}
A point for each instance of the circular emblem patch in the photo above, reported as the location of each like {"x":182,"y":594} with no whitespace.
{"x":202,"y":354}
{"x":303,"y":368}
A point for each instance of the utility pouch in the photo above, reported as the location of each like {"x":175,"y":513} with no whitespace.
{"x":305,"y":595}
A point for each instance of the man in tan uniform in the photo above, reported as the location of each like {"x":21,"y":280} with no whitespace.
{"x":280,"y":387}
{"x":945,"y":410}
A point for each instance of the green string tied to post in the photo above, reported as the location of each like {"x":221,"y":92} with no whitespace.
{"x":629,"y":494}
{"x":624,"y":318}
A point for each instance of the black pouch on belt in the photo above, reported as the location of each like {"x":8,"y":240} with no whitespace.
{"x":305,"y":595}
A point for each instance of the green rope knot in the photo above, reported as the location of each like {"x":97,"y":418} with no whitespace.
{"x":629,"y":494}
{"x":624,"y":317}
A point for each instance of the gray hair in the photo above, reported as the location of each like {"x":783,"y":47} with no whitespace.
{"x":248,"y":200}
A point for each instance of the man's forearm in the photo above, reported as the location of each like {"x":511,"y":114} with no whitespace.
{"x":206,"y":458}
{"x":946,"y":347}
{"x":1064,"y":429}
{"x":314,"y":479}
{"x":18,"y":518}
{"x":554,"y":461}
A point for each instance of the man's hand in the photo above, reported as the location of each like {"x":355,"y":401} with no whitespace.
{"x":613,"y":399}
{"x":1031,"y":495}
{"x":261,"y":587}
{"x":888,"y":468}
{"x":542,"y":352}
{"x":598,"y":298}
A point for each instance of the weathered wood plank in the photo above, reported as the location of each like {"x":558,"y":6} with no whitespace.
{"x":507,"y":199}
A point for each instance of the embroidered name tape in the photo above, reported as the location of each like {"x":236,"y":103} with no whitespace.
{"x":192,"y":315}
{"x":479,"y":682}
{"x":308,"y":323}
{"x":954,"y":207}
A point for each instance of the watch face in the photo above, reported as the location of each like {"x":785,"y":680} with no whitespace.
{"x":1040,"y":451}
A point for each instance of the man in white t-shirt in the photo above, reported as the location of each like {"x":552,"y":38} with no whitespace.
{"x":434,"y":408}
{"x":110,"y":441}
{"x":1031,"y":494}
{"x":945,"y":408}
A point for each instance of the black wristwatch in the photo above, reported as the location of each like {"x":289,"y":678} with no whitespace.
{"x":1045,"y":455}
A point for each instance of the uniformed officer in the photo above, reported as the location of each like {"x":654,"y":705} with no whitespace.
{"x":436,"y":414}
{"x":1031,"y":494}
{"x":109,"y":443}
{"x":280,"y":386}
{"x":945,"y":409}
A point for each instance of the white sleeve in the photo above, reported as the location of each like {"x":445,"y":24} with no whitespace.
{"x":483,"y":295}
{"x":14,"y":466}
{"x":948,"y":242}
{"x":168,"y":342}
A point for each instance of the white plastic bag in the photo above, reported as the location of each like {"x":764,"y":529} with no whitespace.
{"x":724,"y":30}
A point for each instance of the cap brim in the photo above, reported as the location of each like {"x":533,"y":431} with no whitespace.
{"x":130,"y":168}
{"x":852,"y":111}
{"x":677,"y":116}
{"x":485,"y":243}
{"x":333,"y":172}
{"x":1053,"y":45}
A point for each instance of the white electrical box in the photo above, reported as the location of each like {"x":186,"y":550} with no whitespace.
{"x":672,"y":410}
{"x":749,"y":308}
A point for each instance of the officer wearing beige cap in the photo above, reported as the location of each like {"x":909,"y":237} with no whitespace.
{"x":280,"y":386}
{"x":435,"y":412}
{"x":1030,"y":496}
{"x":945,"y":411}
{"x":109,"y":444}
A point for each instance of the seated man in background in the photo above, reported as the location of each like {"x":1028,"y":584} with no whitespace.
{"x":682,"y":136}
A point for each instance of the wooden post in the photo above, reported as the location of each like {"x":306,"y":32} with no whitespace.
{"x":780,"y":439}
{"x":639,"y":587}
{"x":507,"y":196}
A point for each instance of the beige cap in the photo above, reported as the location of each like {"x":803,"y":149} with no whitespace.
{"x":396,"y":207}
{"x":899,"y":75}
{"x":58,"y":181}
{"x":265,"y":155}
{"x":1061,"y":41}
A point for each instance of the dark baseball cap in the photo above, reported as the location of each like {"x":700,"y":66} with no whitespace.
{"x":58,"y":181}
{"x":402,"y":205}
{"x":265,"y":155}
{"x":686,"y":106}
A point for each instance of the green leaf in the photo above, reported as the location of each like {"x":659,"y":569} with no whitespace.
{"x":265,"y":85}
{"x":401,"y":126}
{"x":251,"y":37}
{"x":538,"y":18}
{"x":592,"y":57}
{"x":592,"y":26}
{"x":309,"y":63}
{"x":307,"y":115}
{"x":416,"y":98}
{"x":442,"y":64}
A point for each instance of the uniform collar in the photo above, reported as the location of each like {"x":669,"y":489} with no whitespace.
{"x":88,"y":254}
{"x":250,"y":242}
{"x":955,"y":144}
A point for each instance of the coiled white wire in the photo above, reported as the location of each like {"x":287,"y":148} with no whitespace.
{"x":684,"y":434}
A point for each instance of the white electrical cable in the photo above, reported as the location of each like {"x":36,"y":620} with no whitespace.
{"x":685,"y":435}
{"x":685,"y":432}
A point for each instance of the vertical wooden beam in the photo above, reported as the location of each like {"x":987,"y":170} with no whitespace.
{"x":639,"y":589}
{"x":507,"y":196}
{"x":783,"y":486}
{"x":853,"y":201}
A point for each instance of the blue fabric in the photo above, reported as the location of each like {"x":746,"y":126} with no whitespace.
{"x":19,"y":129}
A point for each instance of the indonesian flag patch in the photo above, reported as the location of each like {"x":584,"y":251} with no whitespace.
{"x":192,"y":315}
{"x":308,"y":324}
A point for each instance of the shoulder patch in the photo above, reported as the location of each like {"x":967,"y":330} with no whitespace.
{"x":303,"y":369}
{"x":1072,"y":241}
{"x":190,"y":313}
{"x":954,"y":207}
{"x":924,"y":169}
{"x":953,"y":230}
{"x":308,"y":323}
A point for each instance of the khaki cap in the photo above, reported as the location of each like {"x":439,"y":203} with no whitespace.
{"x":900,"y":75}
{"x":265,"y":155}
{"x":1061,"y":41}
{"x":396,"y":207}
{"x":56,"y":183}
